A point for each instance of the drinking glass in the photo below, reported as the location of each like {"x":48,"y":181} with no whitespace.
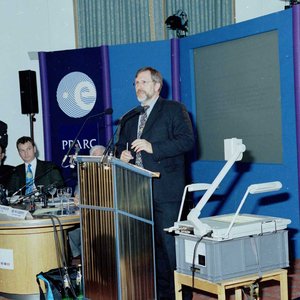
{"x":41,"y":192}
{"x":52,"y":192}
{"x":68,"y":194}
{"x":60,"y":195}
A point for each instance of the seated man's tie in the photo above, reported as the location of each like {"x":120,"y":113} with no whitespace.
{"x":29,"y":180}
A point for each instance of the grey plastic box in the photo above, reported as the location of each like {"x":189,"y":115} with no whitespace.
{"x":219,"y":260}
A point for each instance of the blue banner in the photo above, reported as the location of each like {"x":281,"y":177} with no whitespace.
{"x":75,"y":91}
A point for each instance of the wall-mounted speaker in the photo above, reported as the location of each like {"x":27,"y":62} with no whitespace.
{"x":28,"y":91}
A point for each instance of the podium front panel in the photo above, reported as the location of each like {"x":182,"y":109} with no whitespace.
{"x":136,"y":259}
{"x":132,"y":193}
{"x":99,"y":254}
{"x":117,"y":231}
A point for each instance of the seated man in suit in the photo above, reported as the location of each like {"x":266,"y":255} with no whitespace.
{"x":5,"y":170}
{"x":33,"y":172}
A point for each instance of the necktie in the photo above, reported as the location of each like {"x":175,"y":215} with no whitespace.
{"x":143,"y":120}
{"x":29,"y":180}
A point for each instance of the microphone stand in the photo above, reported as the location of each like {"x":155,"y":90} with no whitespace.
{"x":73,"y":157}
{"x":108,"y":111}
{"x":110,"y":143}
{"x":122,"y":121}
{"x":108,"y":152}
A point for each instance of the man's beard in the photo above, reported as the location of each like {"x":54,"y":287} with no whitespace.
{"x":142,"y":96}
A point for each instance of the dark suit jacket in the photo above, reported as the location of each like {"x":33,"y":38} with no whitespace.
{"x":5,"y":173}
{"x":170,"y":132}
{"x":46,"y":174}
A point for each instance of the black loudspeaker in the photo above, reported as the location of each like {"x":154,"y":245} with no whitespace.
{"x":28,"y":91}
{"x":3,"y":136}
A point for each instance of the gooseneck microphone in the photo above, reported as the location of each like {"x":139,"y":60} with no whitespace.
{"x":128,"y":115}
{"x":108,"y":111}
{"x":73,"y":157}
{"x":38,"y":192}
{"x":25,"y":186}
{"x":136,"y":111}
{"x":52,"y":167}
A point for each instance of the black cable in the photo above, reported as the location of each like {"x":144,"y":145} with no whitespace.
{"x":60,"y":253}
{"x":194,"y":257}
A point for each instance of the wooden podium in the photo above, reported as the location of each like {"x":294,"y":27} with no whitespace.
{"x":117,"y":229}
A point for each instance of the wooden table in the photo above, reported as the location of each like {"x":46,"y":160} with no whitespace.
{"x":219,"y":288}
{"x":27,"y":248}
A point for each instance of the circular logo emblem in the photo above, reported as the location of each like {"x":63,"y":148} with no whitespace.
{"x":76,"y":94}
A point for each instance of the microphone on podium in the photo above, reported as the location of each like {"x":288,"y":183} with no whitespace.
{"x":128,"y":115}
{"x":73,"y":157}
{"x":107,"y":111}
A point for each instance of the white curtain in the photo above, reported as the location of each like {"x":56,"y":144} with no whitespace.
{"x":102,"y":22}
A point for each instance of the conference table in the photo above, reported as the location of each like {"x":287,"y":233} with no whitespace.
{"x":27,"y":247}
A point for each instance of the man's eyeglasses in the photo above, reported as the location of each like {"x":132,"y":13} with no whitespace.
{"x":141,"y":82}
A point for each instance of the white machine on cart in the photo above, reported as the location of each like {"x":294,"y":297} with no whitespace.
{"x":232,"y":245}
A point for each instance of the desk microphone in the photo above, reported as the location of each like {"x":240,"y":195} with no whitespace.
{"x":130,"y":114}
{"x":108,"y":111}
{"x":26,"y":185}
{"x":39,"y":193}
{"x":22,"y":187}
{"x":35,"y":192}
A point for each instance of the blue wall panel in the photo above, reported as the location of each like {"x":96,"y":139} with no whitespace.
{"x":286,"y":203}
{"x":125,"y":60}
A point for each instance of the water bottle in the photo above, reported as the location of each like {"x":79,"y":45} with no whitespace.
{"x":67,"y":290}
{"x":79,"y":285}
